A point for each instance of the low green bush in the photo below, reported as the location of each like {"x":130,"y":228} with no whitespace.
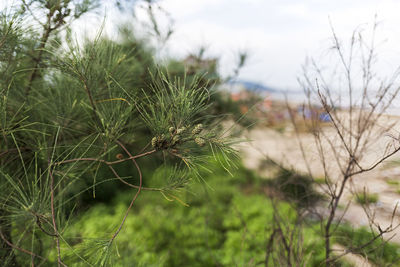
{"x":366,"y":198}
{"x":212,"y":223}
{"x":216,"y":222}
{"x":380,"y":252}
{"x":296,"y":187}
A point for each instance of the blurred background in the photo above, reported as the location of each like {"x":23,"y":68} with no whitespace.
{"x":277,"y":35}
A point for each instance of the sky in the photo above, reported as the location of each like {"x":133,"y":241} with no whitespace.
{"x":278,"y":35}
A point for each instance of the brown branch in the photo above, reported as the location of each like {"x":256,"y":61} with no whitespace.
{"x":377,"y":163}
{"x":359,"y":248}
{"x":333,"y":207}
{"x":39,"y":224}
{"x":328,"y":110}
{"x":90,"y":96}
{"x":269,"y":247}
{"x":132,"y":185}
{"x":298,"y":136}
{"x":32,"y":14}
{"x":104,"y":161}
{"x":45,"y":36}
{"x":53,"y":216}
{"x":134,"y":197}
{"x":20,"y":249}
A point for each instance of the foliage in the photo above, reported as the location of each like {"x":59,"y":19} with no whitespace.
{"x":218,"y":223}
{"x":367,"y":198}
{"x":380,"y":252}
{"x":296,"y":187}
{"x":80,"y":121}
{"x":221,"y":225}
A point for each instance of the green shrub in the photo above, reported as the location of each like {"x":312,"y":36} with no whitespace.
{"x":221,"y":226}
{"x":366,"y":198}
{"x":392,"y":182}
{"x":380,"y":252}
{"x":296,"y":187}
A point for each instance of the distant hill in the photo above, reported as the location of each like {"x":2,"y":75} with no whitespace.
{"x":263,"y":90}
{"x":251,"y":86}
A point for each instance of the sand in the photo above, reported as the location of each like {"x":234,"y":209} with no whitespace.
{"x":285,"y":148}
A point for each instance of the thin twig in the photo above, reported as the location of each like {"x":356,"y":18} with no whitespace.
{"x":20,"y":249}
{"x":135,"y":196}
{"x":104,"y":161}
{"x":53,"y":216}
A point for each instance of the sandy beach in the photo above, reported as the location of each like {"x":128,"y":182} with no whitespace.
{"x":383,"y":180}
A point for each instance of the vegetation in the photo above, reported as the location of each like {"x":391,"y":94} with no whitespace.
{"x":297,"y":188}
{"x":108,"y":158}
{"x":392,"y":182}
{"x":378,"y":251}
{"x":79,"y":118}
{"x":366,"y":198}
{"x":227,"y":225}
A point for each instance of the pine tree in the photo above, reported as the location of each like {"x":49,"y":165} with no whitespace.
{"x":76,"y":117}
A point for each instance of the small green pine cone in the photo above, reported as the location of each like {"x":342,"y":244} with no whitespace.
{"x":200,"y":141}
{"x":158,"y":141}
{"x":154,"y":142}
{"x":181,"y":130}
{"x":197,"y":129}
{"x":176,"y":139}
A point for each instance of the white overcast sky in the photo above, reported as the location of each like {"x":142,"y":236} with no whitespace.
{"x":278,"y":34}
